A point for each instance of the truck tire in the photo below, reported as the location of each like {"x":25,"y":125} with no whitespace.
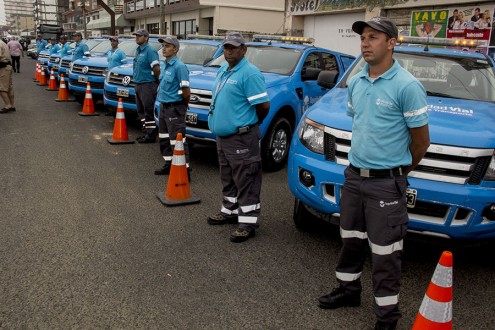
{"x":275,"y":145}
{"x":303,"y":219}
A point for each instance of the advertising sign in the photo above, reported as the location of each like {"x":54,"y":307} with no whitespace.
{"x":429,"y":23}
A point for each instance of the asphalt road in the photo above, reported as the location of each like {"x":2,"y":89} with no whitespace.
{"x":85,"y":243}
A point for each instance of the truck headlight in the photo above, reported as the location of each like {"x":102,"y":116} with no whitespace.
{"x":311,"y":135}
{"x":490,"y":172}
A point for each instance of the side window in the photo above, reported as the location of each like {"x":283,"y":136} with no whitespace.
{"x":329,"y":62}
{"x":312,"y":61}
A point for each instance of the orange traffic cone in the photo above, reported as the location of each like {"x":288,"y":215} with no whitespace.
{"x":435,"y":312}
{"x":52,"y":85}
{"x":42,"y":77}
{"x":88,"y":106}
{"x":120,"y":135}
{"x":63,"y":96}
{"x":178,"y":190}
{"x":35,"y":72}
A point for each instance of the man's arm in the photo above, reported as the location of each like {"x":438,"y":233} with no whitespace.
{"x":186,"y":95}
{"x":262,"y":111}
{"x":419,"y":144}
{"x":156,"y":73}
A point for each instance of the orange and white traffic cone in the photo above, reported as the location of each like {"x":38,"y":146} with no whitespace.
{"x":43,"y":78}
{"x":120,"y":135}
{"x":435,"y":312}
{"x":35,"y":72}
{"x":178,"y":190}
{"x":63,"y":95}
{"x":52,"y":85}
{"x":88,"y":106}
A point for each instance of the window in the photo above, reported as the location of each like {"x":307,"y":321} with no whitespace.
{"x":183,"y":28}
{"x":329,"y":62}
{"x":153,"y":28}
{"x":312,"y":61}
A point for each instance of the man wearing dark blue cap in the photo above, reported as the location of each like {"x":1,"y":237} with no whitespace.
{"x":146,"y":73}
{"x":389,"y":137}
{"x":239,"y":104}
{"x":173,"y":95}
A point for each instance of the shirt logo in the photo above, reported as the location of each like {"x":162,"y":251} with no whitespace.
{"x":384,"y":103}
{"x":231,"y":81}
{"x":383,"y":204}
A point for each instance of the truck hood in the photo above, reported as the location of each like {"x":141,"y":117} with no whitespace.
{"x":97,"y":61}
{"x":203,"y":77}
{"x":456,"y":122}
{"x":125,"y":69}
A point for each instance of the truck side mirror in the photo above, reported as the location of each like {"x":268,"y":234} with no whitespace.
{"x":327,"y":79}
{"x":310,"y":74}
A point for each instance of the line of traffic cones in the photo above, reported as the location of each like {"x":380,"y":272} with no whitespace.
{"x":52,"y":85}
{"x":435,"y":312}
{"x":36,"y":69}
{"x":42,"y":81}
{"x":88,"y":106}
{"x":120,"y":135}
{"x":178,"y":190}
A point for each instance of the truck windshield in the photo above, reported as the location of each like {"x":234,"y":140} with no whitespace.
{"x":102,"y":47}
{"x":470,"y":78}
{"x":269,"y":59}
{"x":191,"y":53}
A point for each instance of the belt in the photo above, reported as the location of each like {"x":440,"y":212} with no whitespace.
{"x":398,"y":171}
{"x":171,"y":104}
{"x":240,"y":131}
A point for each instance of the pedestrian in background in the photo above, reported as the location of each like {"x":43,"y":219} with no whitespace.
{"x":146,"y":73}
{"x":115,"y":56}
{"x":16,"y":51}
{"x":239,"y":104}
{"x":81,"y":47}
{"x":6,"y":86}
{"x":389,"y":138}
{"x":173,"y":95}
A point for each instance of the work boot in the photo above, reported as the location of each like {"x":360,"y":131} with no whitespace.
{"x":338,"y":298}
{"x":222,"y":219}
{"x":243,"y":233}
{"x":380,"y":325}
{"x":164,"y":170}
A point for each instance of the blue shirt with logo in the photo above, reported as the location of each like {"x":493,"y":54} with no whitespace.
{"x":383,"y":110}
{"x":65,"y":50}
{"x":146,"y":58}
{"x":235,"y":95}
{"x":40,"y":45}
{"x":79,"y":51}
{"x":54,"y":49}
{"x":115,"y":58}
{"x":174,"y":76}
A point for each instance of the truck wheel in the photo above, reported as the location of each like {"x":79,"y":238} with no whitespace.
{"x":303,"y":219}
{"x":275,"y":146}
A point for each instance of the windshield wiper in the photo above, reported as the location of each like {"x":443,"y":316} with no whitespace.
{"x":438,"y":94}
{"x":214,"y":66}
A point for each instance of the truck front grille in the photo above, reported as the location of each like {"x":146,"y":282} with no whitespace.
{"x":94,"y":85}
{"x":65,"y":63}
{"x":113,"y":96}
{"x":443,"y":163}
{"x":92,"y":70}
{"x":200,"y":98}
{"x":118,"y":79}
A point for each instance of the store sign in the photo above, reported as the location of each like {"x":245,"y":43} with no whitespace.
{"x":304,"y":7}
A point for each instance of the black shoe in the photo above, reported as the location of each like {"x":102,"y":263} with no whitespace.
{"x":222,"y":219}
{"x":164,"y":170}
{"x":5,"y":110}
{"x":146,"y":139}
{"x":337,"y":298}
{"x":380,"y":325}
{"x":243,"y":233}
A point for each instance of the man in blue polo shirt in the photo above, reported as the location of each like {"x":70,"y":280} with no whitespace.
{"x":66,"y":49}
{"x":115,"y":56}
{"x":81,"y":47}
{"x":239,"y":104}
{"x":389,"y":138}
{"x":40,"y":44}
{"x":55,"y":48}
{"x":173,"y":95}
{"x":146,"y":67}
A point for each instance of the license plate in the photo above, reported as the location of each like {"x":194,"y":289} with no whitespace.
{"x":55,"y":67}
{"x":82,"y":79}
{"x":411,"y":195}
{"x":191,"y":118}
{"x":122,"y":92}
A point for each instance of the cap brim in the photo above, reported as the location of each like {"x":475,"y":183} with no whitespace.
{"x":161,"y":40}
{"x":233,"y":43}
{"x":359,"y":26}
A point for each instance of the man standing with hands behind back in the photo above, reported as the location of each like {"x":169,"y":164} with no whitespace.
{"x":389,"y":137}
{"x":173,"y":95}
{"x":146,"y":73}
{"x":239,"y":105}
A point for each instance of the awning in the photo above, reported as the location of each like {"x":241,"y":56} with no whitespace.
{"x":104,"y":22}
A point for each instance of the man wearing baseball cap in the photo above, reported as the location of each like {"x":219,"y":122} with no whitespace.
{"x":146,"y":73}
{"x":81,"y":47}
{"x":239,"y":104}
{"x":173,"y":95}
{"x":389,"y":137}
{"x":115,"y":56}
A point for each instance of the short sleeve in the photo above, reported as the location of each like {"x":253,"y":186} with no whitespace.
{"x":256,"y":89}
{"x":414,"y":106}
{"x":183,"y":76}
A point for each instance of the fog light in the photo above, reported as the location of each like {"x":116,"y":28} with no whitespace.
{"x":306,"y":178}
{"x":489,"y":212}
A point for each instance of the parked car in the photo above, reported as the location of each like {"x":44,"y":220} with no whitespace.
{"x":32,"y":51}
{"x":290,"y":67}
{"x":452,"y":190}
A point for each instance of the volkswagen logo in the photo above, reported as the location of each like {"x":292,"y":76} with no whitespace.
{"x":126,"y":80}
{"x":194,"y":99}
{"x":85,"y":70}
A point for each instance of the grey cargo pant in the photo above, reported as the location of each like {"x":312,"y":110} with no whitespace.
{"x":240,"y":173}
{"x":171,"y":122}
{"x":374,"y":213}
{"x":145,"y":103}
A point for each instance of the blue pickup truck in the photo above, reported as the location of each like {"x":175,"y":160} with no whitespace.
{"x":290,"y":66}
{"x":452,"y":190}
{"x":193,"y":52}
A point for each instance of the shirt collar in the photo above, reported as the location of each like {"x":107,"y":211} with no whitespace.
{"x":239,"y":65}
{"x":172,"y":60}
{"x":386,"y":75}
